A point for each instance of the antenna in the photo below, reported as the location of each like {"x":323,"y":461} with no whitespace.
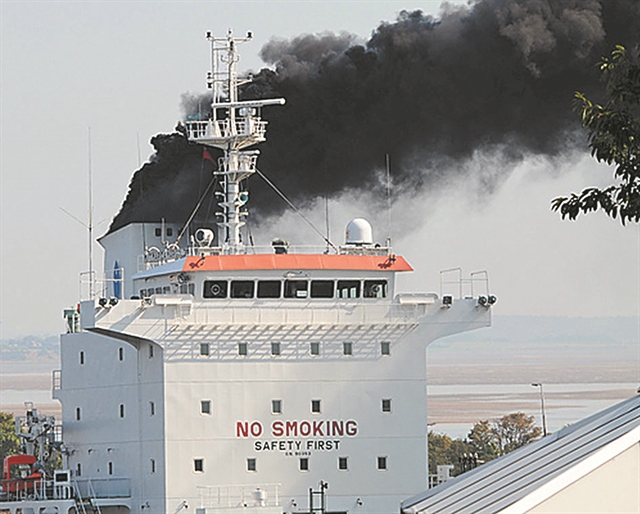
{"x":90,"y":219}
{"x":388,"y":203}
{"x":326,"y":219}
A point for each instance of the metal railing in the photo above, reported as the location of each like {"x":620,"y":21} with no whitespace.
{"x":224,"y":128}
{"x":259,"y":495}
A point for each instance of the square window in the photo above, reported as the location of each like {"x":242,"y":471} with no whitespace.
{"x":242,"y":288}
{"x":343,"y":463}
{"x":242,"y":348}
{"x":315,"y":406}
{"x":322,"y":289}
{"x":276,"y":406}
{"x":348,"y":289}
{"x":347,"y":348}
{"x":251,"y":464}
{"x":375,"y":289}
{"x":205,"y":407}
{"x":296,"y":288}
{"x":385,"y":348}
{"x":214,"y":289}
{"x":314,"y":348}
{"x":382,"y":463}
{"x":269,"y":288}
{"x":275,"y":348}
{"x":198,"y":465}
{"x":386,"y":405}
{"x":204,"y":349}
{"x":304,"y":464}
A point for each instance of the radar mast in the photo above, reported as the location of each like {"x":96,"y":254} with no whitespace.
{"x":232,"y":127}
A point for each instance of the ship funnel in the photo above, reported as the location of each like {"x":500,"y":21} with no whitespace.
{"x":359,"y":232}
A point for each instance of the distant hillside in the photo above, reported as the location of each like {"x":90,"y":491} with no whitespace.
{"x":31,"y":348}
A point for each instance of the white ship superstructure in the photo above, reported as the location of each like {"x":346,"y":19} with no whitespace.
{"x":213,"y":377}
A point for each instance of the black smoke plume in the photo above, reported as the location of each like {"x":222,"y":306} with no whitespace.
{"x":496,"y":76}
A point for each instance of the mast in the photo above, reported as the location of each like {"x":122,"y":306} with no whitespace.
{"x":232,"y":127}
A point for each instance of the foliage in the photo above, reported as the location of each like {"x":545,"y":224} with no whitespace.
{"x":9,"y":442}
{"x":614,"y":138}
{"x":486,"y":441}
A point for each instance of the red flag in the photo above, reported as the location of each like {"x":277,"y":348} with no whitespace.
{"x":206,"y":155}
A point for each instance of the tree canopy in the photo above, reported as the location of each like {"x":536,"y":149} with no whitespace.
{"x":614,"y":138}
{"x":487,"y":440}
{"x":9,"y":442}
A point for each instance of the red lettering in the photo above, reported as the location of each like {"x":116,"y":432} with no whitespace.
{"x":256,"y":429}
{"x":242,"y":429}
{"x":277,"y":430}
{"x":291,"y":428}
{"x":305,"y":428}
{"x":317,"y":428}
{"x":352,"y":427}
{"x":337,"y":428}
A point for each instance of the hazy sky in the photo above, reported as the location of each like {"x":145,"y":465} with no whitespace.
{"x":120,"y":68}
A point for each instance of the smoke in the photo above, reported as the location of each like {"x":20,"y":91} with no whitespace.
{"x":495,"y":77}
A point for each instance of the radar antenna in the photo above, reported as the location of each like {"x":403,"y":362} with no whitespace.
{"x":232,"y":127}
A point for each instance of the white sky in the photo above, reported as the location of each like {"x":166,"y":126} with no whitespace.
{"x":121,"y":67}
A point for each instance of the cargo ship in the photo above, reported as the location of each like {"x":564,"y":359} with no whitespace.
{"x":204,"y":374}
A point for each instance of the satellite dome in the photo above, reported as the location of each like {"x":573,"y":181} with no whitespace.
{"x":359,"y":232}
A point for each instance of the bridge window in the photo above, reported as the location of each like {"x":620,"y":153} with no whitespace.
{"x":198,"y":465}
{"x":343,"y":463}
{"x":386,"y":405}
{"x":242,"y":349}
{"x":275,"y":348}
{"x":276,"y":406}
{"x":242,"y":288}
{"x":382,"y":463}
{"x":322,"y":289}
{"x":385,"y":348}
{"x":315,"y":406}
{"x":304,"y":464}
{"x":375,"y":289}
{"x":347,"y":348}
{"x":158,"y":232}
{"x":296,"y":288}
{"x":348,"y":289}
{"x":251,"y":464}
{"x":314,"y":348}
{"x":215,"y":289}
{"x":169,"y":231}
{"x":269,"y":288}
{"x":205,"y":407}
{"x":204,"y":349}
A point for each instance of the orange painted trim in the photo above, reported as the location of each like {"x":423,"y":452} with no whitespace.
{"x":296,"y":262}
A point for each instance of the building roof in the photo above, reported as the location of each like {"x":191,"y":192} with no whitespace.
{"x":524,"y":478}
{"x":252,"y":262}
